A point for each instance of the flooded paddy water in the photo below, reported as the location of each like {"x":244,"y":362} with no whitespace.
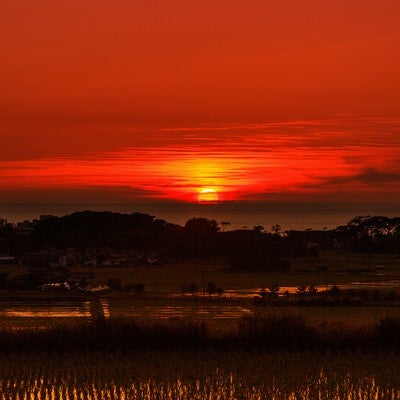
{"x":43,"y":311}
{"x":199,"y":312}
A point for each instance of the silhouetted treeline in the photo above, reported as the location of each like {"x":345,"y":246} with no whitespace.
{"x":373,"y":234}
{"x":100,"y":229}
{"x":200,"y":237}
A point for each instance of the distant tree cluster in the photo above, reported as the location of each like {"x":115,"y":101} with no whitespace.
{"x":371,"y":234}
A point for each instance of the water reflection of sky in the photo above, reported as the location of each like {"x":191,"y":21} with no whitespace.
{"x":35,"y":309}
{"x":41,"y":314}
{"x":31,"y":310}
{"x":193,"y":312}
{"x":255,"y":292}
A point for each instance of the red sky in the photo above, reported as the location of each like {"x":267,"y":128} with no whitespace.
{"x":124,"y":100}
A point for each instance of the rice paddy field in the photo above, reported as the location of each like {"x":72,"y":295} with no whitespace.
{"x":276,"y":358}
{"x":200,"y":376}
{"x":35,"y":366}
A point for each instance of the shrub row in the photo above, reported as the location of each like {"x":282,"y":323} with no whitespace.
{"x":291,"y":333}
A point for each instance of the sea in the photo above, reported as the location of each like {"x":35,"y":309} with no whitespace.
{"x":237,"y":215}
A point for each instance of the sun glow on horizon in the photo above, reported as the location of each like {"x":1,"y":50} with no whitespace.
{"x":208,"y":195}
{"x":232,"y":166}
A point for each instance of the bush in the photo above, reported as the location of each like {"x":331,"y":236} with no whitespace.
{"x":286,"y":331}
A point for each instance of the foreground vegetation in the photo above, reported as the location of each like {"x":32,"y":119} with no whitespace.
{"x":270,"y":333}
{"x":208,"y":375}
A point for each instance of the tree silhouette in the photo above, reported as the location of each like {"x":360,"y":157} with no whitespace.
{"x":225,"y":224}
{"x":201,"y":226}
{"x":258,"y":228}
{"x":276,"y":229}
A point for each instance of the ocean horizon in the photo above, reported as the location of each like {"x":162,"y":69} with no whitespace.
{"x":238,"y":214}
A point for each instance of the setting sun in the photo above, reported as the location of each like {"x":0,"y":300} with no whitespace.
{"x":208,"y":195}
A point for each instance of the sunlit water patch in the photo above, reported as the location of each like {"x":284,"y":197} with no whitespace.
{"x":251,"y":292}
{"x":34,"y":308}
{"x":105,"y":307}
{"x":283,"y":290}
{"x":384,"y":284}
{"x":40,"y":312}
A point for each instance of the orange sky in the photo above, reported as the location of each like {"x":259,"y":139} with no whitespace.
{"x":163,"y":99}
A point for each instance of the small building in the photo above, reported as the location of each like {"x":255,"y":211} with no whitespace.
{"x":4,"y":260}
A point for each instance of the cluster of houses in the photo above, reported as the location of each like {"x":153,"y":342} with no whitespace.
{"x":6,"y":259}
{"x":105,"y":257}
{"x":68,"y":286}
{"x":70,"y":269}
{"x":23,"y":227}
